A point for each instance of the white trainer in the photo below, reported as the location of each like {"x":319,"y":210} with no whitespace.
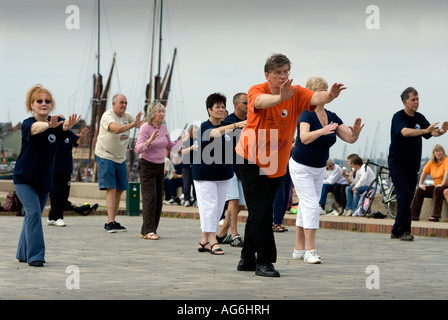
{"x":311,"y":257}
{"x":333,"y":213}
{"x":57,"y":223}
{"x":298,"y":254}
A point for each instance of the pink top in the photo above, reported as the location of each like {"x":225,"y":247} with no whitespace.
{"x":155,"y":152}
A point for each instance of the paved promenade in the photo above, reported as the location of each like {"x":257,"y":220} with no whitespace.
{"x":83,"y":262}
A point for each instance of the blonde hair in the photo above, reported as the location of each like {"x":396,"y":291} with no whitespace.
{"x":437,"y":147}
{"x":190,"y":130}
{"x":315,"y":83}
{"x":32,"y":94}
{"x":151,"y":111}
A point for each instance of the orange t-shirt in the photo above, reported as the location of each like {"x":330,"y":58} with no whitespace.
{"x":436,"y":171}
{"x":267,"y":137}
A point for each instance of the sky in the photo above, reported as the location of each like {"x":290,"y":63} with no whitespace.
{"x":222,"y":47}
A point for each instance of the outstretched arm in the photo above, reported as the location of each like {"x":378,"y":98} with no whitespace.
{"x":323,"y":97}
{"x":350,"y":134}
{"x":265,"y":101}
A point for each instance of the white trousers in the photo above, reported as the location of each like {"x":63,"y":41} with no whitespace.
{"x":211,"y":197}
{"x":308,"y":183}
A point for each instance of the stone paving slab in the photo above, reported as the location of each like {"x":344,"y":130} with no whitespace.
{"x":123,"y":266}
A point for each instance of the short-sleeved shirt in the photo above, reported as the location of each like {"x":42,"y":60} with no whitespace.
{"x":35,"y":163}
{"x":316,"y":153}
{"x":267,"y":138}
{"x":437,"y":171}
{"x":406,"y":152}
{"x":109,"y":145}
{"x":215,"y":155}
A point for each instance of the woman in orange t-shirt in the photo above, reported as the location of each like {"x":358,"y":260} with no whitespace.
{"x":437,"y":167}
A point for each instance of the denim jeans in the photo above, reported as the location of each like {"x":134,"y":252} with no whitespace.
{"x":31,"y":242}
{"x":353,"y":197}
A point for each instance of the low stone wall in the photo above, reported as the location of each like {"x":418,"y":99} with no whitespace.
{"x":83,"y":190}
{"x":89,"y":190}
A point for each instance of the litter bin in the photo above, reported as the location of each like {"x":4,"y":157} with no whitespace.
{"x":133,"y":199}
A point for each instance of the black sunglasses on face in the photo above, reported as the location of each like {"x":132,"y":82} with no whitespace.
{"x":41,"y":101}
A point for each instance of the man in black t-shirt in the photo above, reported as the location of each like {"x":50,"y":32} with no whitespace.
{"x":405,"y":151}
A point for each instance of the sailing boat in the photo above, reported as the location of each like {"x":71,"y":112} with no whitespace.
{"x":161,"y":88}
{"x":98,"y":102}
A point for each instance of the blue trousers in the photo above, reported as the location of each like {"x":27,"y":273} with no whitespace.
{"x":323,"y":196}
{"x":31,"y":242}
{"x":353,"y":197}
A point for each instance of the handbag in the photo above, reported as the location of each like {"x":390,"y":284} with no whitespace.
{"x":12,"y":203}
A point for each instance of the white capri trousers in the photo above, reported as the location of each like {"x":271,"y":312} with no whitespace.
{"x":211,"y":197}
{"x":308,"y":183}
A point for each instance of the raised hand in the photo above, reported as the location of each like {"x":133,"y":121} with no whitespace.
{"x":286,"y":92}
{"x":71,"y":121}
{"x":357,"y":127}
{"x":336,"y":89}
{"x":83,"y":132}
{"x":138,"y":122}
{"x":329,"y":128}
{"x":54,"y":122}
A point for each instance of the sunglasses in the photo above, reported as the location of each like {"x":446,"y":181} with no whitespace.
{"x":42,"y":101}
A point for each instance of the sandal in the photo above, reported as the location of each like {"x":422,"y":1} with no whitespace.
{"x":203,"y":248}
{"x":151,"y":236}
{"x":278,"y":228}
{"x":216,"y":251}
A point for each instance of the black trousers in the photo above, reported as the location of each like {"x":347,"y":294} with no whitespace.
{"x":339,"y":194}
{"x":405,"y":183}
{"x":187,"y":175}
{"x":259,"y":192}
{"x":59,"y":195}
{"x":151,"y":180}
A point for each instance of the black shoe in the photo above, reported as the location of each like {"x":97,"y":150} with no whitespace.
{"x":266,"y":270}
{"x":394,"y":236}
{"x":36,"y":264}
{"x":220,"y":239}
{"x":407,"y":237}
{"x":113,"y":226}
{"x":244,"y":266}
{"x":378,"y":215}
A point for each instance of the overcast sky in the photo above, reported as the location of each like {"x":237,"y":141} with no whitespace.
{"x":222,"y":47}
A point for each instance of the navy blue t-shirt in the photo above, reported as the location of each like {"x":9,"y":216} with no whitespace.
{"x":232,"y":118}
{"x":37,"y":155}
{"x":213,"y":160}
{"x":64,"y":158}
{"x":406,"y":152}
{"x":316,"y":153}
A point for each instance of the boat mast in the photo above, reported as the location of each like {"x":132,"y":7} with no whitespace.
{"x":99,"y":24}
